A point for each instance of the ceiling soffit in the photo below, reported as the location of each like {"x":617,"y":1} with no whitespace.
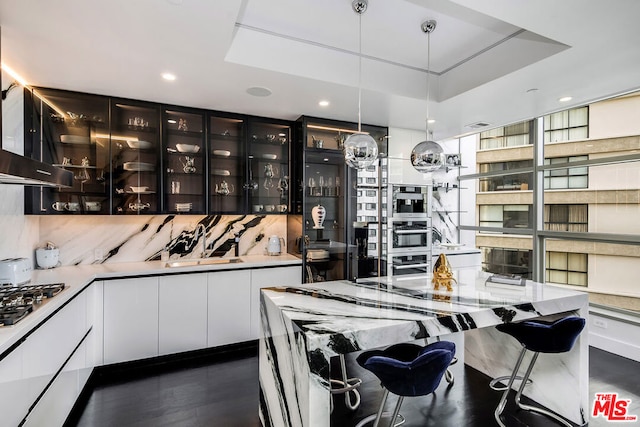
{"x":321,"y":43}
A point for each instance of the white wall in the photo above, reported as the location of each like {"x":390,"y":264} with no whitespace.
{"x":608,"y":333}
{"x":616,"y":117}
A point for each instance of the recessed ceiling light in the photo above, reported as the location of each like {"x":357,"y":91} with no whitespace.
{"x":168,"y":76}
{"x":565,"y":99}
{"x":323,"y":103}
{"x":259,"y":91}
{"x":431,"y":120}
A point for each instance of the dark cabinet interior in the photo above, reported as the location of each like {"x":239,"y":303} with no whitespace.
{"x":69,"y":130}
{"x":227,"y":136}
{"x":135,"y":159}
{"x":185,"y":166}
{"x":326,"y":198}
{"x":268,"y":164}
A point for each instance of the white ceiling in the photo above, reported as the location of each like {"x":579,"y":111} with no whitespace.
{"x":485,"y":56}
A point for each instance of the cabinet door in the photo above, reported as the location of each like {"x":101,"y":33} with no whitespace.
{"x":268,"y":159}
{"x":130,"y":319}
{"x":264,"y":278}
{"x":228,"y":183}
{"x":14,"y":403}
{"x":184,"y":161}
{"x":54,"y":406}
{"x":73,"y":134}
{"x":135,"y":156}
{"x":182,"y":313}
{"x":229,"y":307}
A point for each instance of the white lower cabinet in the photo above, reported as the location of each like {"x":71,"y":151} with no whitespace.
{"x":49,"y":368}
{"x":14,"y":403}
{"x":182,"y":313}
{"x":279,"y":276}
{"x":130,"y":319}
{"x":54,"y":406}
{"x":229,"y":307}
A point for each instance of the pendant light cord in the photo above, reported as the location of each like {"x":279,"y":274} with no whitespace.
{"x":359,"y":72}
{"x":428,"y":79}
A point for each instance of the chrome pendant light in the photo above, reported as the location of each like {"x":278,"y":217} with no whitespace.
{"x":428,"y":156}
{"x":360,"y":149}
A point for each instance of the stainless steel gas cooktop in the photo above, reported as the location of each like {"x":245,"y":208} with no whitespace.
{"x":16,"y":302}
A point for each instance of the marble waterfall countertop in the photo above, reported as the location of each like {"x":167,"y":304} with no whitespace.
{"x":76,"y":278}
{"x":304,"y":326}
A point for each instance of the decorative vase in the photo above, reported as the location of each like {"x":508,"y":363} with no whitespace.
{"x":317,"y":214}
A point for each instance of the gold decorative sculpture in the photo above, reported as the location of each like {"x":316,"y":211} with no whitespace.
{"x":442,"y":274}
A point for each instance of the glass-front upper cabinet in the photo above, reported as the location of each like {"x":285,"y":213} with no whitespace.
{"x":72,"y":133}
{"x":227,"y":180}
{"x":184,"y":161}
{"x":268,"y":163}
{"x":135,"y":159}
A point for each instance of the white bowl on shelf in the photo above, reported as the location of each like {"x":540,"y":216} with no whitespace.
{"x":221,"y":172}
{"x":75,"y":139}
{"x":187,"y":148}
{"x":221,"y":153}
{"x":138,"y":166}
{"x":139,"y":145}
{"x":139,"y":189}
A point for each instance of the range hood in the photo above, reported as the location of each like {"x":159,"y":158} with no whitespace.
{"x":21,"y":170}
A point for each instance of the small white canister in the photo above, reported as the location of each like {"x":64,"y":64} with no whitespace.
{"x":48,"y":256}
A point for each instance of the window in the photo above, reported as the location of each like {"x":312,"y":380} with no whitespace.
{"x":566,"y":268}
{"x":371,"y":193}
{"x":508,"y":136}
{"x":515,"y":182}
{"x":567,"y":125}
{"x":566,"y":178}
{"x":566,"y":218}
{"x":505,"y":216}
{"x":506,"y":261}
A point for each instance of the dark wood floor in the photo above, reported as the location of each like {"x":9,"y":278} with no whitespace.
{"x":225,"y":393}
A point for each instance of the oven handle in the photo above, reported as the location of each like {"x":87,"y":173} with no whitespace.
{"x":405,"y":267}
{"x":417,"y":231}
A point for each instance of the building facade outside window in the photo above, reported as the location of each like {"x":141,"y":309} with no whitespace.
{"x":568,"y":177}
{"x":589,"y":228}
{"x":566,"y":268}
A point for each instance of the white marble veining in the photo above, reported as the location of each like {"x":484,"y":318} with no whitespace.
{"x":143,"y":237}
{"x":303,"y":327}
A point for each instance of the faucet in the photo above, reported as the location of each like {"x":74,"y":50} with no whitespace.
{"x":237,"y":244}
{"x":201,"y":229}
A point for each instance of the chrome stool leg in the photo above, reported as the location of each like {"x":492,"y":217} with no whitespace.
{"x":381,"y":414}
{"x":533,"y":408}
{"x":503,"y":399}
{"x":346,"y":386}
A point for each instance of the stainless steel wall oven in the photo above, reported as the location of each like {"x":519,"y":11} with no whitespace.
{"x":409,"y":229}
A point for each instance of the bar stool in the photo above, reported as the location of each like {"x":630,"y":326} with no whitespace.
{"x":406,"y":370}
{"x":539,"y":337}
{"x":346,"y":386}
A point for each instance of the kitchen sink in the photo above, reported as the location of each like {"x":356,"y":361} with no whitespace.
{"x":202,"y":261}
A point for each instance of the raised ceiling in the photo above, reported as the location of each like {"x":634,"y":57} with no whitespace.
{"x":486,"y":57}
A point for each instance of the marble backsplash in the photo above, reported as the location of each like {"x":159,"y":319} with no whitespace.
{"x":111,"y":239}
{"x":19,"y":233}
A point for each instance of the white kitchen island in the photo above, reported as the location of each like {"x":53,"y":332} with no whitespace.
{"x":304,"y":326}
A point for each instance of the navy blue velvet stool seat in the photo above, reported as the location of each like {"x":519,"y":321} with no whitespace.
{"x":406,"y":370}
{"x":538,"y":337}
